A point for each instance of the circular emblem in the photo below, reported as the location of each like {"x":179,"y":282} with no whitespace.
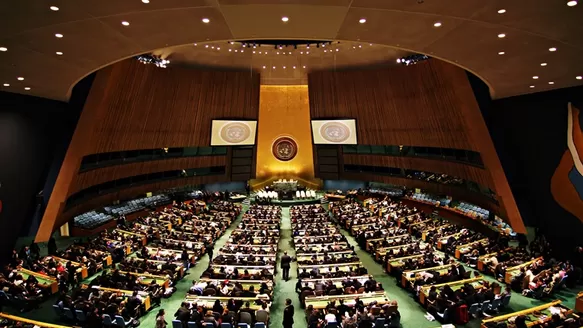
{"x":284,"y":148}
{"x":235,"y":132}
{"x":335,"y":132}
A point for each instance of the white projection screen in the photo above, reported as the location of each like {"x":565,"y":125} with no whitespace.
{"x":233,"y":133}
{"x":334,"y":132}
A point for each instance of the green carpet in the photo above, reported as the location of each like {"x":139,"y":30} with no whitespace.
{"x":412,"y":313}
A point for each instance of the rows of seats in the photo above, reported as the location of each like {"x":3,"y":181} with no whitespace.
{"x":472,"y":210}
{"x":91,"y":220}
{"x":305,"y":194}
{"x":124,"y":209}
{"x":430,"y":199}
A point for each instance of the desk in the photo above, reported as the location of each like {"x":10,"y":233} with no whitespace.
{"x":245,"y":283}
{"x":579,"y":302}
{"x":477,"y":283}
{"x":545,"y":314}
{"x":443,"y":240}
{"x":116,"y":243}
{"x":81,"y":268}
{"x":320,"y":302}
{"x":409,"y":229}
{"x":333,"y":197}
{"x":179,"y":265}
{"x":409,"y":276}
{"x":462,"y":249}
{"x":44,"y":281}
{"x":391,"y":238}
{"x":424,"y":234}
{"x":127,"y":293}
{"x":381,"y":252}
{"x":252,"y":269}
{"x":208,"y":301}
{"x":482,"y":261}
{"x":32,"y":322}
{"x":308,"y":256}
{"x":515,"y":270}
{"x":160,"y":280}
{"x":130,"y":233}
{"x":323,"y":268}
{"x":177,"y":254}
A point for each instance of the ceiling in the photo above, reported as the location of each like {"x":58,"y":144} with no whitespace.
{"x":94,"y":36}
{"x":285,"y":66}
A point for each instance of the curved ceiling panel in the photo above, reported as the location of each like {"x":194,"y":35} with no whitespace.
{"x":93,"y":35}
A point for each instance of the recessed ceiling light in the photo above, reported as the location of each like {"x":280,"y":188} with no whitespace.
{"x":437,"y":24}
{"x":579,"y":77}
{"x":572,"y":3}
{"x":532,"y":86}
{"x":59,"y":53}
{"x":362,"y":20}
{"x":229,"y":50}
{"x":59,"y":35}
{"x":284,"y":19}
{"x":20,"y":78}
{"x":553,"y":49}
{"x":124,"y":23}
{"x":54,"y":8}
{"x":146,"y":1}
{"x":6,"y":84}
{"x":535,"y":77}
{"x":3,"y":49}
{"x":551,"y":82}
{"x":284,"y":67}
{"x":543,"y":64}
{"x":304,"y":66}
{"x":273,"y":67}
{"x":501,"y":35}
{"x":27,"y":88}
{"x":263,"y":67}
{"x":501,"y":53}
{"x":206,"y":20}
{"x":294,"y":67}
{"x":501,"y":11}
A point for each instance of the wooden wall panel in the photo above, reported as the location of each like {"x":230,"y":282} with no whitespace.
{"x":134,"y":192}
{"x":134,"y":106}
{"x":406,"y":105}
{"x":459,"y":193}
{"x":468,"y":172}
{"x":98,"y":176}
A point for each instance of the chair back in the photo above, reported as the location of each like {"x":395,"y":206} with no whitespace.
{"x":496,"y":303}
{"x":69,"y":314}
{"x":259,"y":325}
{"x":474,"y":309}
{"x":332,"y":325}
{"x":191,"y":324}
{"x":119,"y":321}
{"x":379,"y":323}
{"x":107,"y":320}
{"x":81,"y":315}
{"x":395,"y":322}
{"x":57,"y":310}
{"x":486,"y":306}
{"x":209,"y":325}
{"x":226,"y":325}
{"x":505,"y":301}
{"x":178,"y":324}
{"x":242,"y":325}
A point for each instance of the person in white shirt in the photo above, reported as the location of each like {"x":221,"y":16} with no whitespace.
{"x":330,"y":318}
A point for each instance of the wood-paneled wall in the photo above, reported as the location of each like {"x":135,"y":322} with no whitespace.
{"x":457,"y":192}
{"x":134,"y":106}
{"x":468,"y":172}
{"x":98,"y":176}
{"x":405,"y":105}
{"x":430,"y":104}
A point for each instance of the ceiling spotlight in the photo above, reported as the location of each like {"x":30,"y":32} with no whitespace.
{"x":572,"y":3}
{"x":535,"y":77}
{"x":579,"y":77}
{"x":307,"y":52}
{"x":284,"y":67}
{"x":284,"y":19}
{"x":242,"y":50}
{"x":206,"y":20}
{"x":543,"y":64}
{"x":218,"y":48}
{"x":26,"y":88}
{"x":263,"y":67}
{"x":501,"y":11}
{"x":206,"y":46}
{"x":54,"y":8}
{"x":551,"y":82}
{"x":553,"y":49}
{"x":294,"y":67}
{"x":337,"y":49}
{"x":3,"y":49}
{"x":124,"y":23}
{"x":532,"y":86}
{"x":437,"y":24}
{"x":304,"y":66}
{"x":273,"y":67}
{"x":230,"y":50}
{"x":146,"y":1}
{"x":236,"y":50}
{"x":501,"y":53}
{"x":59,"y":53}
{"x":253,"y":51}
{"x":398,"y":60}
{"x":6,"y":84}
{"x":20,"y":78}
{"x":362,"y":20}
{"x":59,"y":35}
{"x":501,"y":35}
{"x":195,"y":44}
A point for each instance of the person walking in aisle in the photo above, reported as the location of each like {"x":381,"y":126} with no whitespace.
{"x":285,"y":264}
{"x":160,"y":320}
{"x":209,"y":250}
{"x":288,"y":314}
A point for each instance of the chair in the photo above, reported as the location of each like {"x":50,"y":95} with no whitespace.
{"x":177,"y":324}
{"x":80,"y":315}
{"x":395,"y":322}
{"x":226,"y":325}
{"x":107,"y":320}
{"x":303,"y":194}
{"x":119,"y":321}
{"x":242,"y":325}
{"x":69,"y":314}
{"x":192,"y":324}
{"x":443,"y":317}
{"x":486,"y":306}
{"x":259,"y":325}
{"x":58,"y":310}
{"x":298,"y":194}
{"x":496,"y":303}
{"x":505,"y":302}
{"x":209,"y":325}
{"x":379,"y":323}
{"x":332,"y":325}
{"x":475,"y":310}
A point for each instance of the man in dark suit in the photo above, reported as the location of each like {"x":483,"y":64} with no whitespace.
{"x":288,"y":314}
{"x":285,"y":264}
{"x":183,"y":314}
